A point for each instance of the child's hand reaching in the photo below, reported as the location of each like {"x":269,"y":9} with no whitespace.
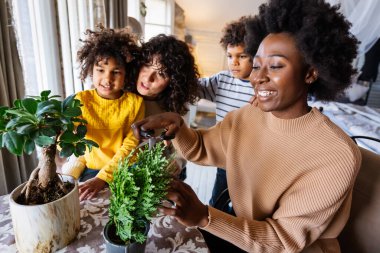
{"x":90,"y":188}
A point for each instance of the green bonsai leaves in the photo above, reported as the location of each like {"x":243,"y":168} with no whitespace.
{"x":43,"y":120}
{"x":136,"y":191}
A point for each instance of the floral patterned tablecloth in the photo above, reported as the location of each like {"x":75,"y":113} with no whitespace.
{"x":166,"y":234}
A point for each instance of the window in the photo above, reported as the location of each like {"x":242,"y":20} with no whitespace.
{"x":159,"y":17}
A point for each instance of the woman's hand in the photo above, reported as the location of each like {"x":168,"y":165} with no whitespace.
{"x":90,"y":188}
{"x":188,"y":209}
{"x":168,"y":120}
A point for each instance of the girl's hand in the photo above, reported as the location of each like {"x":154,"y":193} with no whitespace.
{"x":90,"y":188}
{"x":188,"y":209}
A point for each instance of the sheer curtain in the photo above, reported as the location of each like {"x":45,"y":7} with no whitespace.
{"x":74,"y":18}
{"x":13,"y":170}
{"x":365,"y":19}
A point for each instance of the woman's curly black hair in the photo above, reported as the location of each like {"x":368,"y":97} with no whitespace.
{"x":234,"y":33}
{"x":178,"y":64}
{"x":321,"y":34}
{"x":105,"y":43}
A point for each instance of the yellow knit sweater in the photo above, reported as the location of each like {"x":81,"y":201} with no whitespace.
{"x":290,"y":181}
{"x":109,"y":125}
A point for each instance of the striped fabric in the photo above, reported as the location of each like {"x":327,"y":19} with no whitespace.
{"x":227,"y":92}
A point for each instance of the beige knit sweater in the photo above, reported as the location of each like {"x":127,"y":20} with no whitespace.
{"x":290,"y":181}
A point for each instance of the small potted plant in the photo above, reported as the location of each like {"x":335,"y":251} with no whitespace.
{"x":138,"y":187}
{"x":45,"y":209}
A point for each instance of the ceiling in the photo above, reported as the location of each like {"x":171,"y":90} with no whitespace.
{"x":212,"y":15}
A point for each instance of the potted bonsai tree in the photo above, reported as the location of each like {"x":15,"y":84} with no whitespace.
{"x":138,"y":187}
{"x":45,"y":209}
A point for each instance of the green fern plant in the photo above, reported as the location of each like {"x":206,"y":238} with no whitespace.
{"x":49,"y":123}
{"x":136,"y":191}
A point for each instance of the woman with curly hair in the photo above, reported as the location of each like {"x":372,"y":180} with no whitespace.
{"x":290,"y":170}
{"x":167,"y":79}
{"x":168,"y":75}
{"x":108,"y":57}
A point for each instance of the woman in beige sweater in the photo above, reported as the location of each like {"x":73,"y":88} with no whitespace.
{"x":290,"y":170}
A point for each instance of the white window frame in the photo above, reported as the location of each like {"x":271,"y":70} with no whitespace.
{"x":169,"y":16}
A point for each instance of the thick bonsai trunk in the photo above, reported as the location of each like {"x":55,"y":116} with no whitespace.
{"x":47,"y":167}
{"x":44,"y":185}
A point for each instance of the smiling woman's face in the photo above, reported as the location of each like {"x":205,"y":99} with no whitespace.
{"x":279,"y":77}
{"x":152,"y":81}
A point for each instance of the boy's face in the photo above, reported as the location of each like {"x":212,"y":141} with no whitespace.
{"x":239,"y":63}
{"x":108,"y":78}
{"x":152,"y":80}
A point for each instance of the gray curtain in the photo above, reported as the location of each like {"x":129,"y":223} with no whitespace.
{"x":116,"y":13}
{"x":13,"y":170}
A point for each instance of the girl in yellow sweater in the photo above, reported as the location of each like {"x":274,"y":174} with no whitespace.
{"x":108,"y":57}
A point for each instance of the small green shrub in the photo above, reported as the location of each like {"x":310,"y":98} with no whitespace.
{"x":136,"y":191}
{"x":43,"y":120}
{"x":49,"y":123}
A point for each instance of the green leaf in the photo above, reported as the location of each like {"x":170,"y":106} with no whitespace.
{"x":55,"y":96}
{"x":3,"y":110}
{"x":17,"y":103}
{"x":14,"y":142}
{"x":3,"y":123}
{"x":72,"y":112}
{"x":70,"y":127}
{"x":48,"y":132}
{"x":1,"y":141}
{"x":57,"y":104}
{"x":81,"y":131}
{"x":26,"y":129}
{"x":29,"y":147}
{"x":77,"y":103}
{"x":80,"y":149}
{"x":91,"y":143}
{"x":69,"y":137}
{"x":67,"y":150}
{"x":17,"y":112}
{"x":44,"y":141}
{"x":68,"y":102}
{"x":17,"y":122}
{"x":45,"y":93}
{"x":12,"y":123}
{"x":30,"y":105}
{"x":79,"y":120}
{"x":53,"y":122}
{"x":45,"y":107}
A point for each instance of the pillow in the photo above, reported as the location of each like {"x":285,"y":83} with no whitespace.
{"x":355,"y":91}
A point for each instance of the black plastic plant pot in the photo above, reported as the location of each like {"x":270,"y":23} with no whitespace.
{"x":115,"y":245}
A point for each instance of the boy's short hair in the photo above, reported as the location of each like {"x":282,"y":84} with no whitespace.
{"x":234,"y":33}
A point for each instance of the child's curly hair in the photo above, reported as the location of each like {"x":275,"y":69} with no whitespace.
{"x":178,"y":64}
{"x":105,"y":43}
{"x":321,"y":34}
{"x":234,"y":33}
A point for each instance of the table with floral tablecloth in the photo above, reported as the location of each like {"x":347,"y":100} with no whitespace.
{"x":165,"y":235}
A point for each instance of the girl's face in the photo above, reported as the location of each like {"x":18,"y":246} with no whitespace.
{"x":280,"y":76}
{"x":152,"y":80}
{"x":108,"y":78}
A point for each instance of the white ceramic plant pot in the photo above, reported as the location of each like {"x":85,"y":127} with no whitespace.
{"x":48,"y":227}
